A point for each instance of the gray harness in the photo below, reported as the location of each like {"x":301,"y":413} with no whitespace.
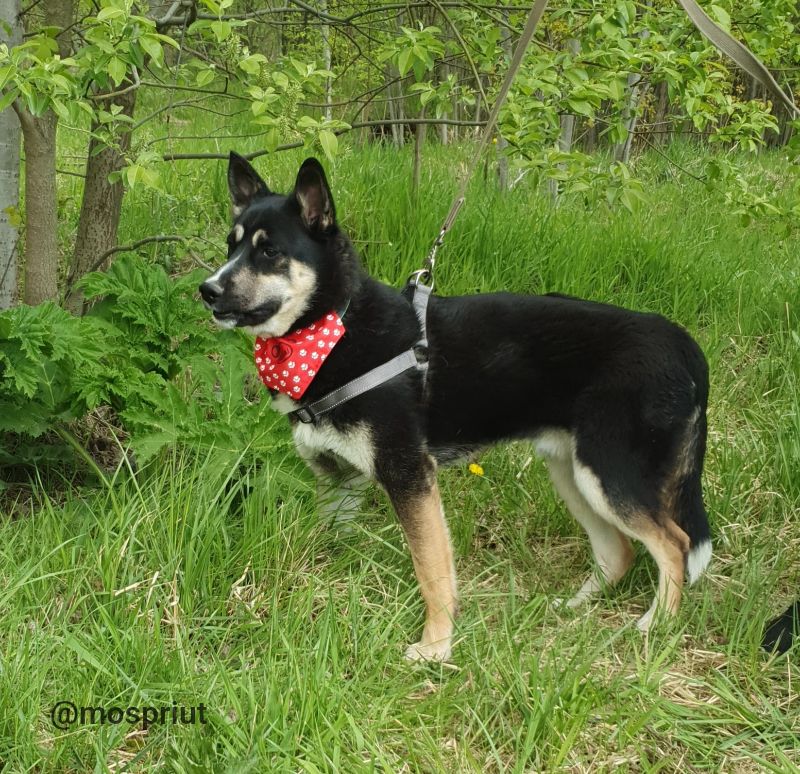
{"x":416,"y":357}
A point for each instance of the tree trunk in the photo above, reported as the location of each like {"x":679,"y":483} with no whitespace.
{"x":502,"y":156}
{"x":41,"y":207}
{"x":636,"y":90}
{"x":101,"y":204}
{"x":567,"y":122}
{"x":622,"y":151}
{"x":326,"y":55}
{"x":41,"y":198}
{"x":9,"y":171}
{"x":662,"y":111}
{"x":419,"y":142}
{"x":443,"y":128}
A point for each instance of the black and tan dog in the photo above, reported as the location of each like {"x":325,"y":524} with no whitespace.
{"x":614,"y":400}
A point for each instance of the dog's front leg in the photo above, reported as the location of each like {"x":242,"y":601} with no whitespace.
{"x":339,"y":496}
{"x":419,"y":508}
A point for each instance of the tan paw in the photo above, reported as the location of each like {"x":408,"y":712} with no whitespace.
{"x":434,"y":651}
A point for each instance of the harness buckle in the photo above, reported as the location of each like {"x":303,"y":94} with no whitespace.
{"x":305,"y":415}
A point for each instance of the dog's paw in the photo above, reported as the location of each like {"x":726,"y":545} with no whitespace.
{"x":573,"y":603}
{"x":645,"y":623}
{"x":434,"y":651}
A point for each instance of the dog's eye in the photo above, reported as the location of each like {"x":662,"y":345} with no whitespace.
{"x":270,"y":251}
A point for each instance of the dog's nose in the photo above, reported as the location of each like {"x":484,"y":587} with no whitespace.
{"x":210,"y":291}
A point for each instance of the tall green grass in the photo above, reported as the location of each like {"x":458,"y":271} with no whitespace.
{"x":207,"y":578}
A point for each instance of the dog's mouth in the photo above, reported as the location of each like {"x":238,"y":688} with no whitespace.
{"x":249,"y":318}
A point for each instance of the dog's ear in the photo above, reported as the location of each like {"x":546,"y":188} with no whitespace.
{"x":244,"y":183}
{"x":314,"y":197}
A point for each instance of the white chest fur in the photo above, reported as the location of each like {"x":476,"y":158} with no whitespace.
{"x":354,"y":444}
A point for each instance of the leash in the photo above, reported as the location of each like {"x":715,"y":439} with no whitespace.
{"x":420,"y":284}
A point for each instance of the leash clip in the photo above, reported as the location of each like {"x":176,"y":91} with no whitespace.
{"x":421,"y":278}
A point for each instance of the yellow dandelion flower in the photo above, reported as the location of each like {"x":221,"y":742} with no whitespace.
{"x":475,"y":469}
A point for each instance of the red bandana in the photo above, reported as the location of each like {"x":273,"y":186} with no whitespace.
{"x":289,"y":363}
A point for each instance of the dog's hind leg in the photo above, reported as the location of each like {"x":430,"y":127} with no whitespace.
{"x":611,"y":548}
{"x":662,"y":537}
{"x":419,"y":509}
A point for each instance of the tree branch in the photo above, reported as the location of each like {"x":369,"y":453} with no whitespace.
{"x":301,"y":143}
{"x":109,"y":94}
{"x":127,"y":249}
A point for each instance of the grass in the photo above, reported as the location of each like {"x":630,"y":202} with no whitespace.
{"x":208,"y":578}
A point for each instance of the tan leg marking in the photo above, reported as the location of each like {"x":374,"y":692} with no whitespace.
{"x":669,"y":545}
{"x":611,"y":548}
{"x":429,"y":540}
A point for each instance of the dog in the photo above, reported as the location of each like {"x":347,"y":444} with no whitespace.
{"x":614,"y":400}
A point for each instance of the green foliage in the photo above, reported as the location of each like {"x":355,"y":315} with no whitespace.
{"x":48,"y":360}
{"x":601,"y":61}
{"x":414,"y":50}
{"x":146,"y":350}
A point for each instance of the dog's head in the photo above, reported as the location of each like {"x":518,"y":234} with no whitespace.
{"x":278,"y":250}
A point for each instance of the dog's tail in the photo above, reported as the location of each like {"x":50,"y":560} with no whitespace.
{"x":689,"y":510}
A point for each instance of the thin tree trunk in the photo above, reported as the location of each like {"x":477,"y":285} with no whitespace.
{"x":9,"y":171}
{"x":326,"y":55}
{"x":41,"y":207}
{"x":622,"y":152}
{"x":662,"y":111}
{"x":444,"y":128}
{"x":567,"y":122}
{"x":393,"y":92}
{"x":101,"y":204}
{"x":41,"y":199}
{"x":502,"y":144}
{"x":636,"y":90}
{"x":419,"y":141}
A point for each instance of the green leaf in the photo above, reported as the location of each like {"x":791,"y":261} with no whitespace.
{"x":329,"y":142}
{"x":117,"y":70}
{"x":403,"y":61}
{"x":252,"y":64}
{"x":722,"y":17}
{"x":6,"y":73}
{"x":581,"y":107}
{"x":204,"y":77}
{"x":153,"y":48}
{"x":221,"y":30}
{"x":109,"y":12}
{"x":7,"y":98}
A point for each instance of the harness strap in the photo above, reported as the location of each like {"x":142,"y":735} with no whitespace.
{"x":416,"y":357}
{"x":419,"y":300}
{"x":358,"y":386}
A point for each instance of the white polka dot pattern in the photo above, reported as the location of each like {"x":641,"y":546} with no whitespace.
{"x":297,"y":355}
